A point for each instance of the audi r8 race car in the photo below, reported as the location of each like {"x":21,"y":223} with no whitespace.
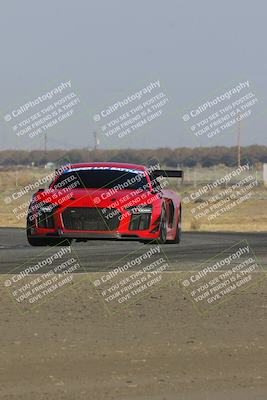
{"x":106,"y":201}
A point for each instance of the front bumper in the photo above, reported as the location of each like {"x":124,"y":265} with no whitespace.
{"x":97,"y":235}
{"x":76,"y":223}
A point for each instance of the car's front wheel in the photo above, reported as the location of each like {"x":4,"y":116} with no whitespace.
{"x":48,"y":241}
{"x":44,"y":241}
{"x":39,"y":241}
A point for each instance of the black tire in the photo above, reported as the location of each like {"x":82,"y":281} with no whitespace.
{"x":39,"y":241}
{"x":33,"y":241}
{"x":163,"y":227}
{"x":48,"y":241}
{"x":178,"y":233}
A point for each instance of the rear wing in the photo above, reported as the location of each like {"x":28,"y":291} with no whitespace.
{"x":168,"y":173}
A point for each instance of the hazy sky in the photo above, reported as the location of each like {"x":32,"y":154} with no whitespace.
{"x":110,"y":49}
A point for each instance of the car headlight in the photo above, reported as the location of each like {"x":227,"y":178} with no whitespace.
{"x":45,"y":212}
{"x":48,"y":207}
{"x":43,"y":207}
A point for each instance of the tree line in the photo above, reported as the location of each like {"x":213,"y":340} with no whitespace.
{"x":184,"y":156}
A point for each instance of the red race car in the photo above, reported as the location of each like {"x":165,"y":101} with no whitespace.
{"x":106,"y":201}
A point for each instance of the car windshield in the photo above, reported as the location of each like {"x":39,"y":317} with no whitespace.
{"x":102,"y":178}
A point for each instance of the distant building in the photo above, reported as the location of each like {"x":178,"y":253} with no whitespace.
{"x":50,"y":165}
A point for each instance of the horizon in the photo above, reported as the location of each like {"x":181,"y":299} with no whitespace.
{"x":94,"y":94}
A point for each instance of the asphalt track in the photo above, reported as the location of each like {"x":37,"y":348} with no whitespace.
{"x":98,"y":255}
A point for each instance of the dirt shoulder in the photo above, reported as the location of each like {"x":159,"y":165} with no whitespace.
{"x":159,"y":348}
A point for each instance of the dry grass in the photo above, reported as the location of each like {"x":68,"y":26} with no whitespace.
{"x":12,"y":181}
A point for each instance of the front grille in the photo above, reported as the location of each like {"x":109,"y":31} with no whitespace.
{"x":89,"y":219}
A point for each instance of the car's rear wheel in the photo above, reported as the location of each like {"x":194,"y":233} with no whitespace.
{"x":178,"y":232}
{"x":163,"y":227}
